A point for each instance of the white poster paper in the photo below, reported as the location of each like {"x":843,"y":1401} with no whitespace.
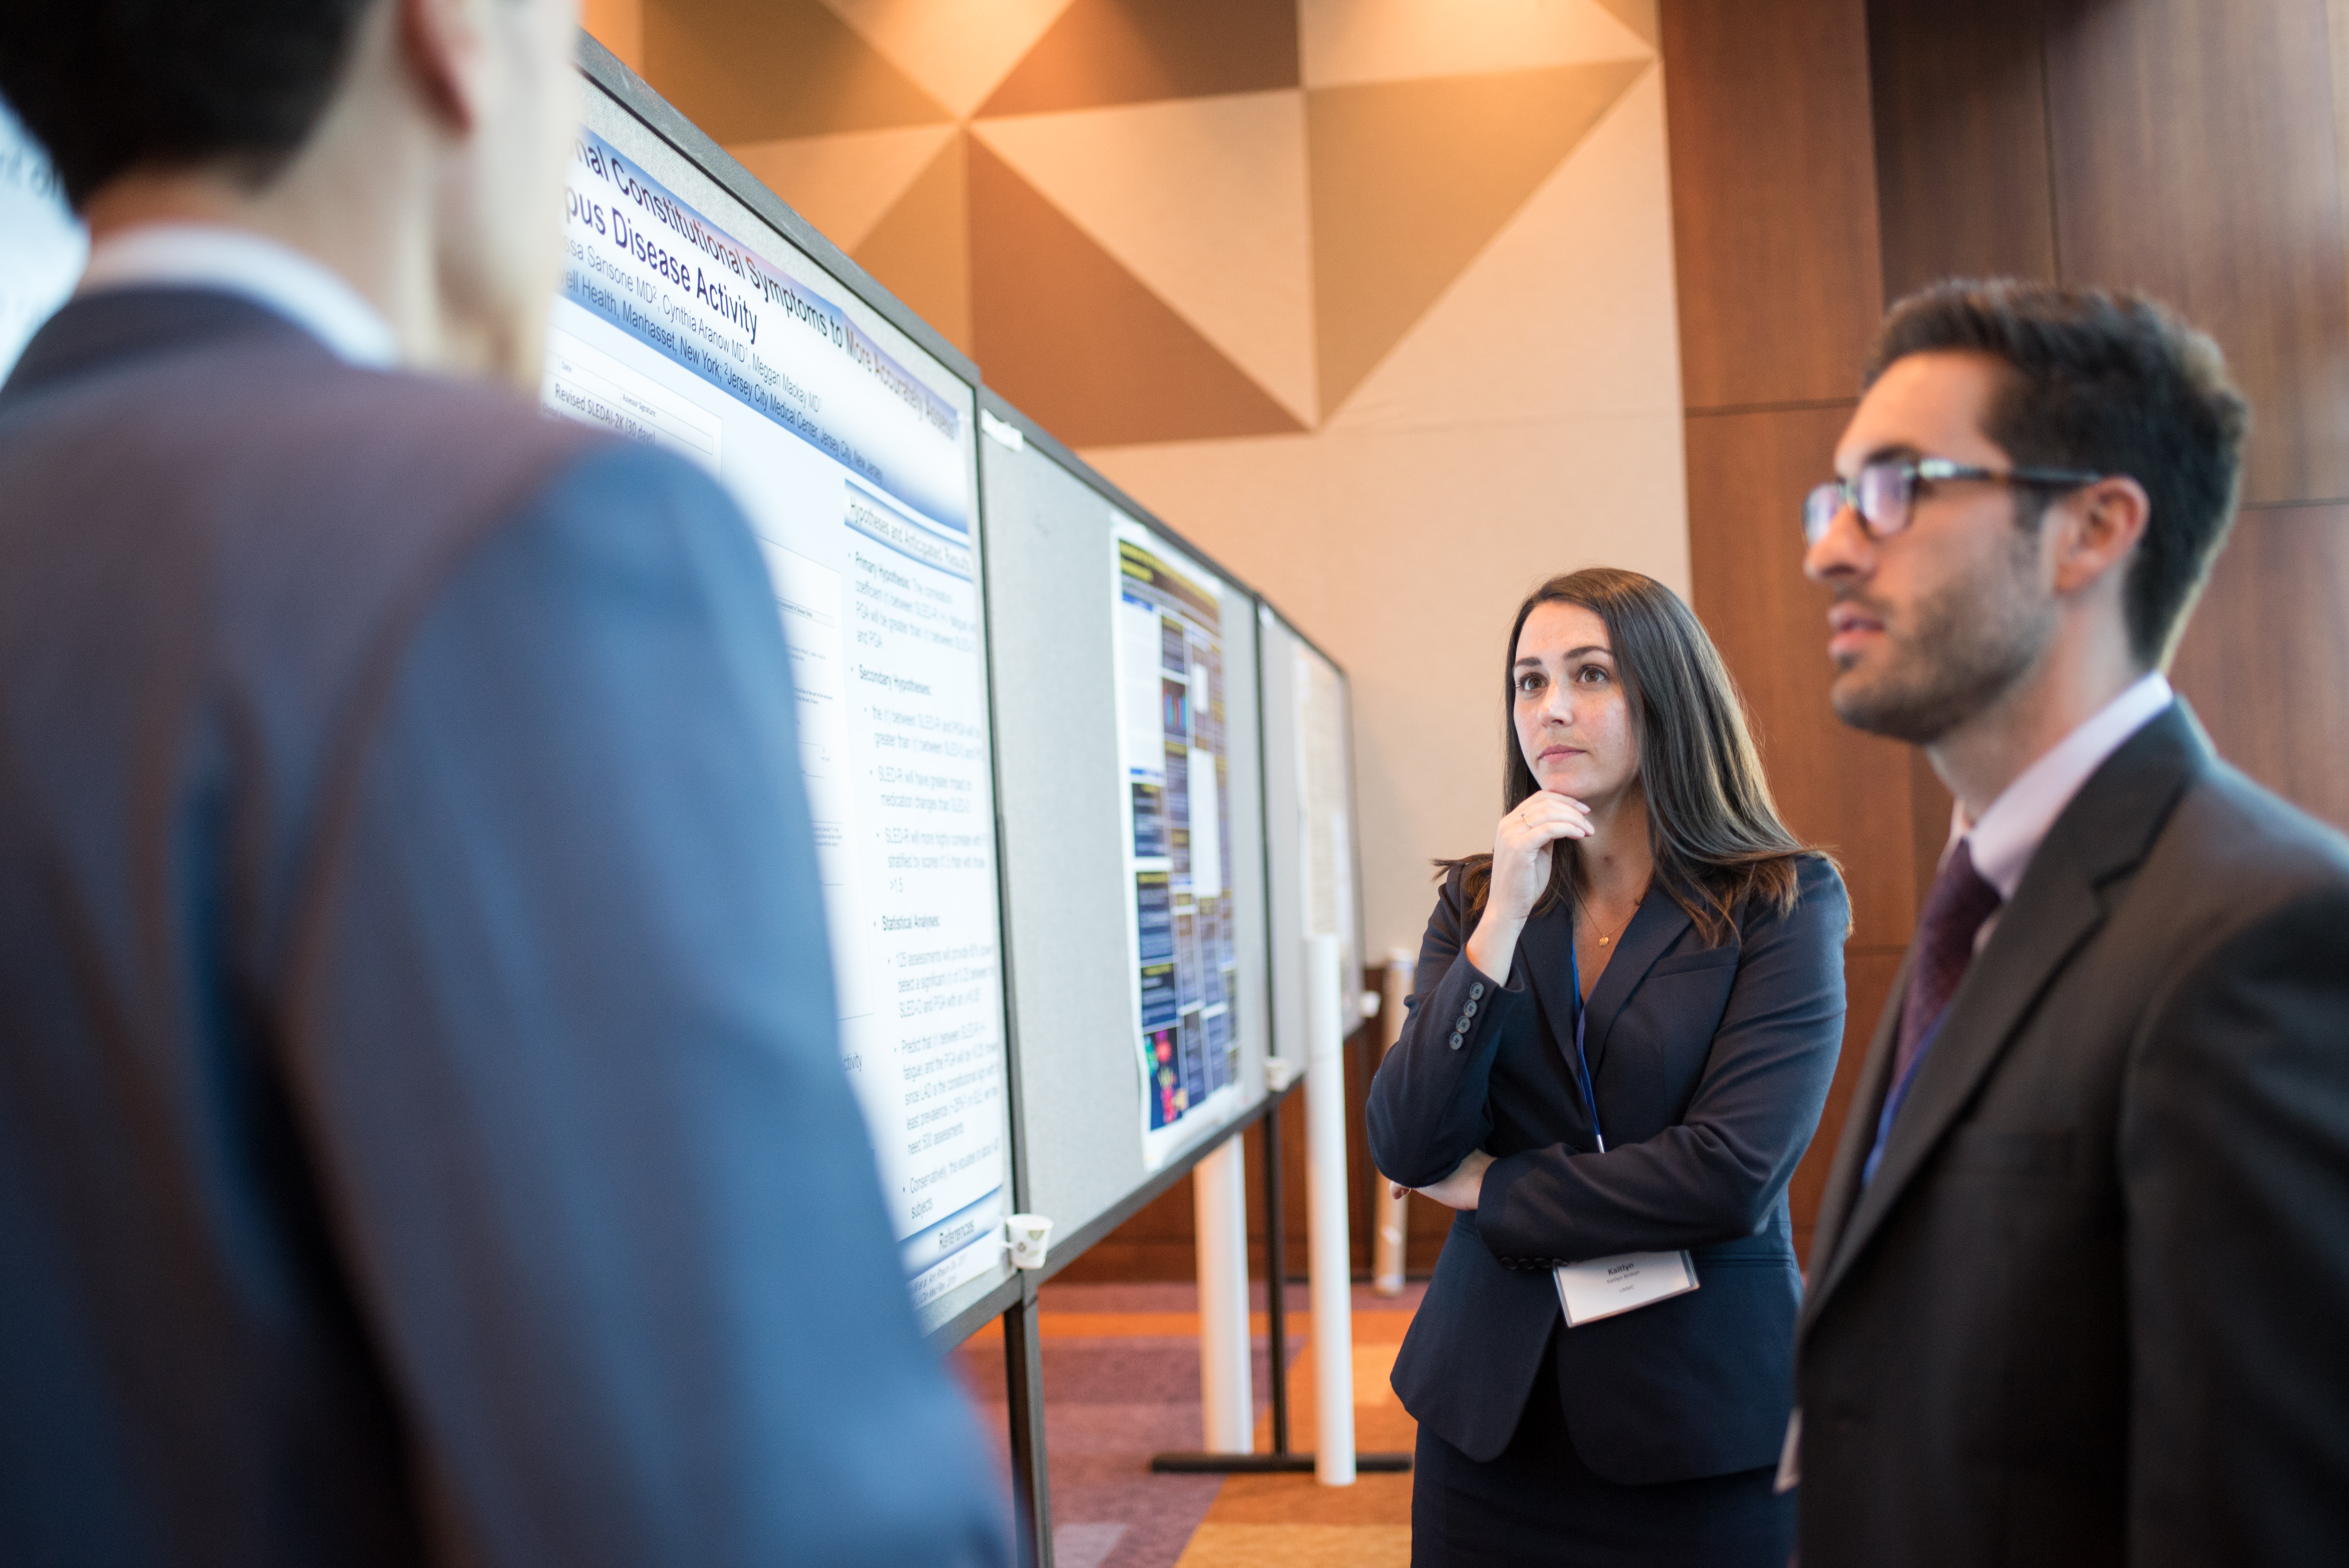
{"x":853,"y":454}
{"x":1177,"y":797}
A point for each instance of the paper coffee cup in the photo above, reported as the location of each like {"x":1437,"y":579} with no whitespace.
{"x":1031,"y":1236}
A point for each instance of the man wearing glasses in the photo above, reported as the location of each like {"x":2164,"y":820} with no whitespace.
{"x":2080,"y":1282}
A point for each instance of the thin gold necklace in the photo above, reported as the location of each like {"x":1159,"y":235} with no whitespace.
{"x":1627,"y":919}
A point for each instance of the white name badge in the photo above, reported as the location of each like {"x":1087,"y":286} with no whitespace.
{"x":1603,"y":1287}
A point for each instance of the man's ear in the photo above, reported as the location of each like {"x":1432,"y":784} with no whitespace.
{"x":442,"y":44}
{"x":2100,"y":527}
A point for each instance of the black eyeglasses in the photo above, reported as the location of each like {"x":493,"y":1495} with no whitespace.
{"x":1884,"y":494}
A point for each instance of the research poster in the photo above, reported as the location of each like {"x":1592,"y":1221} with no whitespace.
{"x":1177,"y":794}
{"x":851,"y":451}
{"x":42,"y":247}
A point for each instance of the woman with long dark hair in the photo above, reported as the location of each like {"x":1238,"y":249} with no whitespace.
{"x":1625,"y":1020}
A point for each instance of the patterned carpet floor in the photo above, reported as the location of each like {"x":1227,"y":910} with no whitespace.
{"x":1121,"y":1383}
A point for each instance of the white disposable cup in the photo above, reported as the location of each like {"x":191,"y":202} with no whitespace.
{"x":1031,"y":1236}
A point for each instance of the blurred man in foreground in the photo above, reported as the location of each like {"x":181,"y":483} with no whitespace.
{"x":2082,"y":1260}
{"x":422,"y":1137}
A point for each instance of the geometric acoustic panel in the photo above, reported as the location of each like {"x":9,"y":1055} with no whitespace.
{"x":1103,"y":52}
{"x":1640,"y":16}
{"x":762,"y":70}
{"x":1203,"y":200}
{"x":1160,"y":220}
{"x":1073,"y":338}
{"x":1347,"y":41}
{"x":844,"y":184}
{"x":958,"y":51}
{"x":920,"y":249}
{"x":1411,"y":178}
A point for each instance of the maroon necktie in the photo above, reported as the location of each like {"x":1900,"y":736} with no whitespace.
{"x":1955,"y":908}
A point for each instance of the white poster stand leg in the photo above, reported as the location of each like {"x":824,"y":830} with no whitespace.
{"x":1328,"y":1265}
{"x":1227,"y":1393}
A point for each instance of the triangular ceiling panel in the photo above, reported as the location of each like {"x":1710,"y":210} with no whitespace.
{"x":1348,"y":41}
{"x":762,"y":70}
{"x":1104,"y":52}
{"x":843,"y":184}
{"x":1640,"y":16}
{"x":1566,"y":314}
{"x":959,"y":52}
{"x":1204,"y":200}
{"x":1077,"y":341}
{"x":920,"y":249}
{"x":1411,"y":179}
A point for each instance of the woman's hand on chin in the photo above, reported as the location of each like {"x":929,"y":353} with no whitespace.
{"x":1521,"y":867}
{"x":1522,"y":849}
{"x":1459,"y":1190}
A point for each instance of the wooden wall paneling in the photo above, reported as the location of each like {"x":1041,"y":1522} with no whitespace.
{"x":1959,"y":100}
{"x":1854,"y":794}
{"x":2265,"y":660}
{"x":1774,"y":198}
{"x":1868,"y":974}
{"x":1781,"y":283}
{"x":1836,"y":788}
{"x":2193,"y":153}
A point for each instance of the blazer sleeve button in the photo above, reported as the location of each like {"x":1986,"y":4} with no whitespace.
{"x":1456,"y":1038}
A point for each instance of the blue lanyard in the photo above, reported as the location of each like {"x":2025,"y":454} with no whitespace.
{"x":1581,"y":1061}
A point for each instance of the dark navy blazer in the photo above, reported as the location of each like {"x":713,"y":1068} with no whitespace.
{"x":422,"y":1130}
{"x":1711,"y":1066}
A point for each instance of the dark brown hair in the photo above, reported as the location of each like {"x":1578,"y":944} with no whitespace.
{"x":110,"y":85}
{"x":2112,"y":384}
{"x":1712,"y":826}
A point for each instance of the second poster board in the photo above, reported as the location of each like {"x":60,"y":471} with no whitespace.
{"x":1129,"y":782}
{"x":1315,"y":878}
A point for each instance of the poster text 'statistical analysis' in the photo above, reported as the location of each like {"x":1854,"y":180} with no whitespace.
{"x":854,"y":462}
{"x":1177,"y":790}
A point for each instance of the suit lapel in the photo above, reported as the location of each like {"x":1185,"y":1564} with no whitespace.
{"x":2104,"y":831}
{"x":1546,"y":947}
{"x":1654,"y":927}
{"x":2032,"y":943}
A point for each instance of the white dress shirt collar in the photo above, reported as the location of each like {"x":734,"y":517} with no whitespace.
{"x":2011,"y":831}
{"x":272,"y":275}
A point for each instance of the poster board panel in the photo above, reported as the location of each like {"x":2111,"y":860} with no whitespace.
{"x":1312,"y":856}
{"x":1135,"y":923}
{"x":697,"y":315}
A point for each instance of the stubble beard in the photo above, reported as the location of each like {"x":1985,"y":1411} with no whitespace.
{"x":1973,"y":642}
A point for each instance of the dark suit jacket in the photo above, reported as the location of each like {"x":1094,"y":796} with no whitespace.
{"x":423,"y":1133}
{"x":2095,"y":1306}
{"x":1712,"y":1066}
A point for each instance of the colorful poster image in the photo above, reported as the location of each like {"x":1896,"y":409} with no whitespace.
{"x":1177,"y":791}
